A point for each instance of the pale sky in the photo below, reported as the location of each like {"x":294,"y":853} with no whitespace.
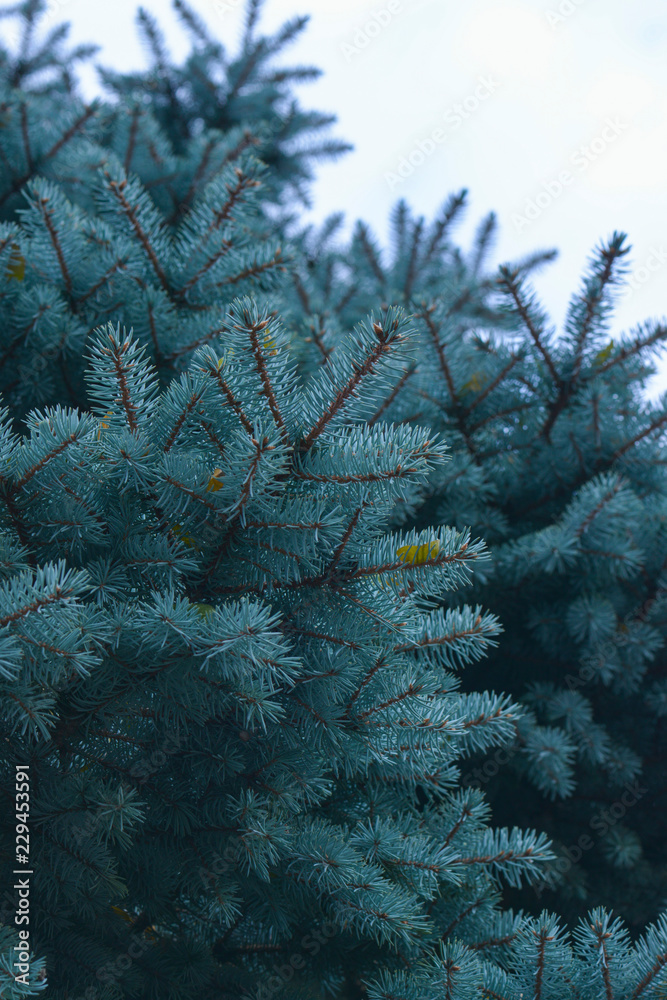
{"x":561,"y":103}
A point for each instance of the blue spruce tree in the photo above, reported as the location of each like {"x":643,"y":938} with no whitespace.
{"x":229,"y":690}
{"x":106,"y":214}
{"x":235,"y":664}
{"x":229,"y":675}
{"x":557,"y":460}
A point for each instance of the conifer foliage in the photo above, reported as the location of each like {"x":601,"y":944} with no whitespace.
{"x":235,"y":663}
{"x":238,"y":586}
{"x":558,"y":462}
{"x":109,"y":214}
{"x":245,"y":95}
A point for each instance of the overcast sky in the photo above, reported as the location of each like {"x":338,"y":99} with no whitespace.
{"x":552,"y":112}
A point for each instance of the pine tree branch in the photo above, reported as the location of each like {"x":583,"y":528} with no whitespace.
{"x":117,"y":188}
{"x":47,"y":217}
{"x":254,"y":270}
{"x":593,"y":300}
{"x":393,"y":394}
{"x":450,"y":211}
{"x":26,"y":140}
{"x":411,"y":272}
{"x":196,"y":182}
{"x":317,"y":338}
{"x":444,"y":367}
{"x":500,"y":377}
{"x":192,"y":346}
{"x":466,"y":813}
{"x":386,"y":339}
{"x":508,"y":281}
{"x":75,"y":127}
{"x":346,"y":299}
{"x":369,"y":253}
{"x":655,"y":425}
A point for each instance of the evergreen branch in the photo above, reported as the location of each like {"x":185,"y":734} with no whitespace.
{"x":369,"y":611}
{"x":450,"y":211}
{"x":655,"y":425}
{"x":244,"y":182}
{"x":254,"y":270}
{"x":77,"y":125}
{"x":461,"y":916}
{"x":614,"y":489}
{"x":117,"y":188}
{"x":392,"y":396}
{"x":500,"y":377}
{"x":368,"y":676}
{"x":58,"y":596}
{"x":151,"y":34}
{"x":346,"y":299}
{"x":122,"y":368}
{"x":458,"y":411}
{"x":192,"y":346}
{"x":252,"y":59}
{"x":659,"y":334}
{"x":411,"y":271}
{"x":497,"y":942}
{"x":131,"y":140}
{"x":17,"y":519}
{"x":52,"y":454}
{"x":328,"y":572}
{"x":483,"y":241}
{"x":322,"y":637}
{"x":317,"y":337}
{"x":409,"y":692}
{"x":369,"y":253}
{"x":301,"y":292}
{"x":69,"y":133}
{"x":118,"y":265}
{"x":26,"y":140}
{"x":213,"y":437}
{"x":192,"y":22}
{"x":238,"y":514}
{"x":247,"y":140}
{"x":195,"y":183}
{"x":533,"y":261}
{"x":444,"y":367}
{"x":232,"y":401}
{"x":595,"y":294}
{"x":508,"y":281}
{"x":253,"y":328}
{"x":466,"y":813}
{"x":47,"y":216}
{"x":386,"y":339}
{"x":251,"y":20}
{"x":440,"y":640}
{"x":211,"y":261}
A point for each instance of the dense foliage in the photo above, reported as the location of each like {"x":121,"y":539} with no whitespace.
{"x":248,"y":619}
{"x":558,"y":462}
